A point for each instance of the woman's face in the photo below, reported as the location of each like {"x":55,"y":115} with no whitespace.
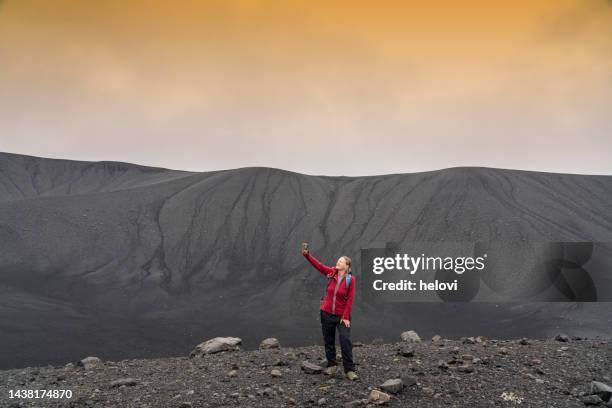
{"x":341,"y":264}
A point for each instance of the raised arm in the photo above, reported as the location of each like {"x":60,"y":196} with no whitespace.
{"x":328,"y":271}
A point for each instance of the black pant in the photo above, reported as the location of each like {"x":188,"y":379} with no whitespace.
{"x":328,"y":325}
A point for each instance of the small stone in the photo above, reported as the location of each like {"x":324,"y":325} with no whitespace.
{"x":410,"y":336}
{"x":356,"y":403}
{"x":592,"y":400}
{"x":503,"y":350}
{"x":232,"y":373}
{"x":562,"y":337}
{"x":428,"y":391}
{"x":311,"y":368}
{"x":269,"y":343}
{"x":124,"y":381}
{"x":378,"y":397}
{"x":465,"y":368}
{"x":392,"y":386}
{"x":406,"y":351}
{"x":408,"y":380}
{"x":89,"y":362}
{"x":321,"y":401}
{"x":276,"y":373}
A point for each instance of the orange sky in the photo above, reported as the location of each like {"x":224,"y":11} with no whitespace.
{"x":320,"y":87}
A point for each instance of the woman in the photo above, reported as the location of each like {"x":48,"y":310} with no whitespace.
{"x":336,"y":311}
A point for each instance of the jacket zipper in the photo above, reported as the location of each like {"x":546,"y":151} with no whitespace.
{"x":335,"y":291}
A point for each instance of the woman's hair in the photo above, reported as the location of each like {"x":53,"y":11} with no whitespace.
{"x":348,"y":262}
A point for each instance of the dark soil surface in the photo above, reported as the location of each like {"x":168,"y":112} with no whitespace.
{"x":454,"y":373}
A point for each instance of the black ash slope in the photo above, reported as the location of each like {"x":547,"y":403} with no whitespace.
{"x":127,"y":261}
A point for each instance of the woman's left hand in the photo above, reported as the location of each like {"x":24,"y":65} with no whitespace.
{"x":347,"y":323}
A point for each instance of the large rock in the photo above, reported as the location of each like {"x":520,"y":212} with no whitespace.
{"x":269,"y":343}
{"x":216,"y":345}
{"x":410,"y":336}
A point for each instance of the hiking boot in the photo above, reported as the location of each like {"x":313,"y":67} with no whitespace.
{"x":351,"y":375}
{"x":331,"y":370}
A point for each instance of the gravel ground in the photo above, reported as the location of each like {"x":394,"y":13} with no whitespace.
{"x":466,"y":372}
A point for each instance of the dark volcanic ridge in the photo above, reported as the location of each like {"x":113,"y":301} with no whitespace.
{"x":143,"y":262}
{"x":467,"y":372}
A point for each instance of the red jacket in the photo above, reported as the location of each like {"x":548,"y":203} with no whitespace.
{"x":344,"y":297}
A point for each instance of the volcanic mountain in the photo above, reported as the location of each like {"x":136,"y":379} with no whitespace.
{"x":121,"y":260}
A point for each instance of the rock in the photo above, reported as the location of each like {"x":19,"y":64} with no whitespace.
{"x":468,"y":340}
{"x":321,"y":401}
{"x":467,"y":357}
{"x":377,"y":340}
{"x":562,"y":337}
{"x":465,"y":368}
{"x":89,"y":362}
{"x":405,"y":351}
{"x":357,"y":344}
{"x":428,"y":391}
{"x":279,"y":362}
{"x":604,"y":391}
{"x":269,"y":343}
{"x":356,"y":403}
{"x":185,"y":404}
{"x":392,"y":386}
{"x":408,"y":379}
{"x":124,"y":381}
{"x":232,"y":373}
{"x":442,"y":365}
{"x":291,"y":401}
{"x":410,"y":336}
{"x":216,"y":345}
{"x":454,"y":389}
{"x":503,"y":350}
{"x":592,"y":400}
{"x":378,"y":397}
{"x":436,"y":338}
{"x":276,"y":373}
{"x":310,"y":368}
{"x":524,"y":342}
